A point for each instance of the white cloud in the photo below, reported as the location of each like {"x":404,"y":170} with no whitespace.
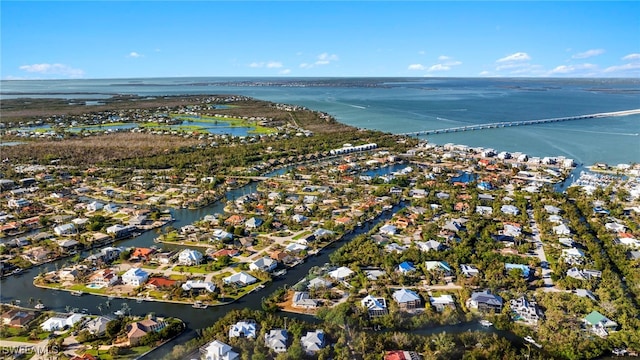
{"x":588,"y":54}
{"x":134,"y":54}
{"x":519,"y":56}
{"x":416,"y":67}
{"x":285,"y":72}
{"x":511,"y":66}
{"x":439,"y":67}
{"x":306,"y":65}
{"x":622,"y":68}
{"x":422,"y":52}
{"x":484,"y":73}
{"x":634,"y":56}
{"x":256,"y":65}
{"x":53,"y":69}
{"x":322,"y":59}
{"x":443,"y":57}
{"x":274,"y":65}
{"x":570,"y":69}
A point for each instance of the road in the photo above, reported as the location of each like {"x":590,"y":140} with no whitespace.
{"x":539,"y":250}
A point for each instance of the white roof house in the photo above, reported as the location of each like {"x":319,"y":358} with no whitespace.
{"x":135,"y":277}
{"x":375,"y":306}
{"x":388,"y":229}
{"x":199,"y":285}
{"x":469,"y":270}
{"x":276,"y":340}
{"x":341,"y":273}
{"x":313,"y":341}
{"x":428,"y":245}
{"x":246,"y":329}
{"x":265,"y":263}
{"x":441,"y":302}
{"x":95,"y":206}
{"x":65,"y":229}
{"x":562,"y":229}
{"x":509,"y":209}
{"x":190,"y":257}
{"x":217,"y":350}
{"x":240,"y":278}
{"x":58,"y":323}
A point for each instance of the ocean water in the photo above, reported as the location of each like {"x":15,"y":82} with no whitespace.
{"x":413,"y":104}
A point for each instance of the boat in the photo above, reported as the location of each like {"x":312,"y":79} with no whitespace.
{"x":485,"y":323}
{"x":111,"y":297}
{"x":40,"y":306}
{"x":77,"y":293}
{"x":199,"y":305}
{"x":280,"y":272}
{"x":118,"y":313}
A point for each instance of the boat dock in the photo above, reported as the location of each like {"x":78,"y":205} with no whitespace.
{"x":521,"y":123}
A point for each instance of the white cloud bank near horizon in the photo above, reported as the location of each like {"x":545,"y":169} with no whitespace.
{"x":53,"y":69}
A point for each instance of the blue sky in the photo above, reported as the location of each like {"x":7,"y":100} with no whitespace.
{"x":121,"y":39}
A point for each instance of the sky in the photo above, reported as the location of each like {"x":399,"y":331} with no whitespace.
{"x":142,"y":39}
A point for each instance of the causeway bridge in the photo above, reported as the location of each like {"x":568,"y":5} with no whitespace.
{"x":521,"y":123}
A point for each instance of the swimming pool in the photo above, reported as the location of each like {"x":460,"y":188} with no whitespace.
{"x":94,"y":286}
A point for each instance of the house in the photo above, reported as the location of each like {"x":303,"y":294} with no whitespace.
{"x":190,"y":257}
{"x":220,"y":235}
{"x":599,"y":324}
{"x":97,"y":326}
{"x":240,"y":279}
{"x":572,"y":256}
{"x":103,"y":278}
{"x":402,"y":355}
{"x":562,"y":229}
{"x":135,"y":277}
{"x":17,"y":317}
{"x":393,"y":247}
{"x":441,"y":266}
{"x":406,"y":267}
{"x":485,"y":301}
{"x":469,"y":270}
{"x":341,"y":273}
{"x":525,"y":310}
{"x":110,"y":208}
{"x":407,"y":299}
{"x":628,"y":240}
{"x":429,"y":245}
{"x":388,"y":230}
{"x":265,"y":264}
{"x":139,"y":329}
{"x":160,"y":283}
{"x":375,"y":306}
{"x":442,"y":302}
{"x":583,"y":274}
{"x":253,"y":223}
{"x":525,"y":269}
{"x":615,"y":227}
{"x":509,"y":210}
{"x":319,"y":283}
{"x":95,"y":206}
{"x":302,"y":299}
{"x":234,"y":220}
{"x":119,"y":231}
{"x":299,"y":218}
{"x":313,"y":342}
{"x":58,"y":323}
{"x":199,"y":285}
{"x":141,"y":254}
{"x":276,"y":340}
{"x":217,"y":350}
{"x":511,"y":230}
{"x":243,"y":329}
{"x":65,"y":229}
{"x":484,"y":210}
{"x":550,"y":209}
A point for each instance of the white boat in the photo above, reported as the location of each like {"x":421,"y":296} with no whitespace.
{"x":280,"y":272}
{"x":40,"y":306}
{"x":77,"y":293}
{"x":118,"y":313}
{"x":199,"y":305}
{"x":485,"y":323}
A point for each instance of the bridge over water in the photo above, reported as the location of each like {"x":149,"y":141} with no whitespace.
{"x":521,"y":123}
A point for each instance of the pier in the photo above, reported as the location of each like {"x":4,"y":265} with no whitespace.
{"x":521,"y":123}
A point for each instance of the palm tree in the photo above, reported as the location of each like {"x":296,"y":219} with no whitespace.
{"x":99,"y":308}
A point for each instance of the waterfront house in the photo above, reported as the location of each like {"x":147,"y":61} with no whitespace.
{"x":484,"y":301}
{"x":276,"y":340}
{"x":217,"y":350}
{"x":439,"y":303}
{"x":199,"y":285}
{"x":65,"y":229}
{"x":240,"y":279}
{"x":319,"y":283}
{"x":138,"y":329}
{"x":135,"y":277}
{"x":141,"y":254}
{"x":17,"y":318}
{"x":407,"y":299}
{"x":341,"y":273}
{"x":302,"y":299}
{"x":103,"y":278}
{"x":599,"y":324}
{"x":264,"y":263}
{"x":96,"y":326}
{"x":190,"y":257}
{"x":388,"y":230}
{"x":243,"y":329}
{"x":120,"y":231}
{"x":525,"y":310}
{"x":58,"y":323}
{"x":156,"y":283}
{"x":375,"y":306}
{"x":313,"y":341}
{"x":220,"y":235}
